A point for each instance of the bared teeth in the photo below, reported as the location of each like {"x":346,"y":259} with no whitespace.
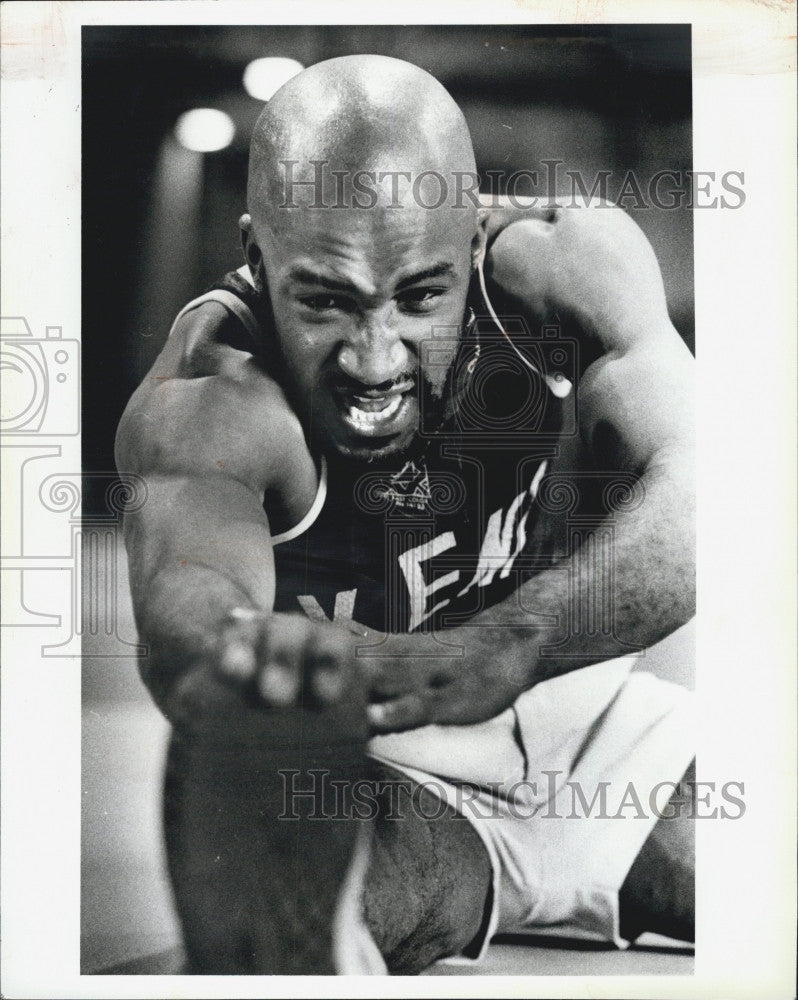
{"x":372,"y":404}
{"x":371,"y":417}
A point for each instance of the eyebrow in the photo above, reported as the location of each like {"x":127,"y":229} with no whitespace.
{"x":442,"y":270}
{"x":308,"y":276}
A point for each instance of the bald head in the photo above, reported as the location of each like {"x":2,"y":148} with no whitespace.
{"x":368,"y":114}
{"x":357,"y":288}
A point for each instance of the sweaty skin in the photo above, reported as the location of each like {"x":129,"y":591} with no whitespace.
{"x":231,"y":456}
{"x":353,"y":294}
{"x":345,"y":283}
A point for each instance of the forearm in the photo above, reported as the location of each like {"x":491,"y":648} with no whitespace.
{"x":630,"y":583}
{"x":198,"y":548}
{"x":179,"y":616}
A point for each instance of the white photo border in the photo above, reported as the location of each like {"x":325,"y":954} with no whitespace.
{"x":744,"y":116}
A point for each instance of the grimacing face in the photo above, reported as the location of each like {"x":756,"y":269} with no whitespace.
{"x":355,"y":294}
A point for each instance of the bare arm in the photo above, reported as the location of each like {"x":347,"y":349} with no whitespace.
{"x":635,"y":405}
{"x":201,"y":545}
{"x":635,"y":416}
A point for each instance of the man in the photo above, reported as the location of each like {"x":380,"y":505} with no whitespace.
{"x":380,"y":514}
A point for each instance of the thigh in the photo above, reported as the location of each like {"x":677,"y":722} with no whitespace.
{"x":428,"y":886}
{"x":659,"y":891}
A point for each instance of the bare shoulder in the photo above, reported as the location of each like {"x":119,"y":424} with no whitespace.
{"x":592,"y":214}
{"x":588,"y":261}
{"x":590,"y":267}
{"x":209,"y":408}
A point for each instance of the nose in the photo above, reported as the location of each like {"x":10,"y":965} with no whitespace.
{"x":374,"y":354}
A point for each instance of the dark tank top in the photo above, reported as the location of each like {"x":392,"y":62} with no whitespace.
{"x":444,"y":532}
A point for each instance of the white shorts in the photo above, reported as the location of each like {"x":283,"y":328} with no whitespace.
{"x":571,"y":780}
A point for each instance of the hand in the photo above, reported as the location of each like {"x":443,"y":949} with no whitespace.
{"x":409,"y":679}
{"x":412,"y":682}
{"x":285,"y":659}
{"x":592,"y":264}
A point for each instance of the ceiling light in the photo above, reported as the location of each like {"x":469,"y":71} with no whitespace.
{"x":264,"y":77}
{"x":205,"y":130}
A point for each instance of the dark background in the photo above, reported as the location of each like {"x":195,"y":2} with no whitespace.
{"x":596,"y":97}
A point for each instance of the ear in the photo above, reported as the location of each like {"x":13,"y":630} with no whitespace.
{"x":479,"y":242}
{"x":252,"y":254}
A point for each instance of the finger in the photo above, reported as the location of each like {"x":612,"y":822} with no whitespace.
{"x":327,"y":682}
{"x":283,"y":637}
{"x":387,"y":678}
{"x":244,"y":618}
{"x":281,"y":653}
{"x":328,"y":654}
{"x":407,"y":712}
{"x":237,"y":659}
{"x":278,"y":684}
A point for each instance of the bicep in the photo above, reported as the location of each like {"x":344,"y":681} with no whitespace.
{"x":636,"y":404}
{"x":206,"y":474}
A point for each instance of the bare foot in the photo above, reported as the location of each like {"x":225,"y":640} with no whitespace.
{"x":266,"y":859}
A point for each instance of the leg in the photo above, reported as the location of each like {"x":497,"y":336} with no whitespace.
{"x":659,"y":891}
{"x":429,"y":880}
{"x":257,"y":893}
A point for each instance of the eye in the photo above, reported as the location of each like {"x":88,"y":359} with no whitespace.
{"x":420,"y":300}
{"x":326,"y":303}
